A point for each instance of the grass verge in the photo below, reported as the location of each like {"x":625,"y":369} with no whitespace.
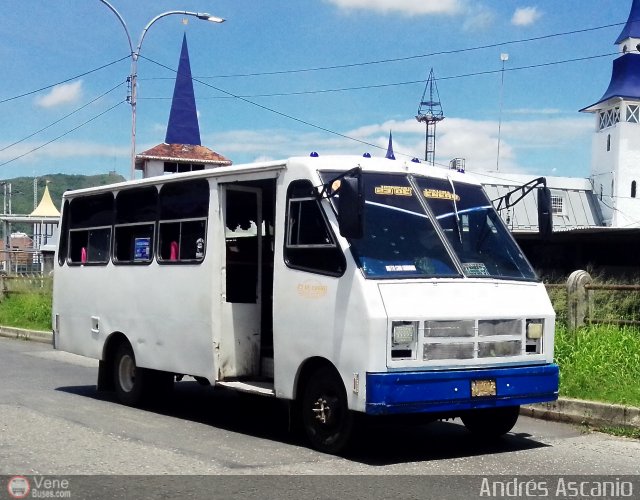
{"x":621,"y":431}
{"x":600,"y":363}
{"x":28,"y":305}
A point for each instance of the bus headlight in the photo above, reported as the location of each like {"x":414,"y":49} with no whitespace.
{"x":535,"y":329}
{"x":535,"y":334}
{"x":403,"y":332}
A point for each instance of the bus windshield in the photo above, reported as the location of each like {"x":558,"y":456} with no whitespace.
{"x":480,"y":240}
{"x":401,"y":241}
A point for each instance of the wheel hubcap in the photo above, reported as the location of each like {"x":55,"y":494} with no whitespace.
{"x":127,"y":373}
{"x":322,"y":410}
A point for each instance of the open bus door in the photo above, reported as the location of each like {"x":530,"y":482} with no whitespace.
{"x":241,"y":282}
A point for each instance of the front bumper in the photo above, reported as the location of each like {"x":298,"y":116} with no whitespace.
{"x":450,"y":391}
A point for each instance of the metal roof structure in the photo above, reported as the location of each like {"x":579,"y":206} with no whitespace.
{"x":574,"y":204}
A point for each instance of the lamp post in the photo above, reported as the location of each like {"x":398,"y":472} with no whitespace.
{"x":135,"y":54}
{"x":504,"y":58}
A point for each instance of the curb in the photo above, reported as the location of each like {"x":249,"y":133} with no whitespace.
{"x":573,"y":411}
{"x":30,"y":335}
{"x":592,"y":413}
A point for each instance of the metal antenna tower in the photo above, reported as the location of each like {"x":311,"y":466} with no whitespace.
{"x":430,"y":112}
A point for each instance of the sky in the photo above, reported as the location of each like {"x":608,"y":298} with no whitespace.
{"x":287,"y":77}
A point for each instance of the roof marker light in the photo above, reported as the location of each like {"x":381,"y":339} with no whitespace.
{"x":314,"y":154}
{"x":367,"y":155}
{"x":415,"y":160}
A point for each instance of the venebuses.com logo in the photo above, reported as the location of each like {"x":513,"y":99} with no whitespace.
{"x":18,"y":487}
{"x":38,"y":487}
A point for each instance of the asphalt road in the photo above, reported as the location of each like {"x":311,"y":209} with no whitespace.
{"x":53,"y":422}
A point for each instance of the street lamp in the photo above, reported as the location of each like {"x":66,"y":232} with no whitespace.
{"x":135,"y":54}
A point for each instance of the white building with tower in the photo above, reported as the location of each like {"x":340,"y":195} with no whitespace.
{"x":610,"y":196}
{"x":615,"y":164}
{"x":596,"y":219}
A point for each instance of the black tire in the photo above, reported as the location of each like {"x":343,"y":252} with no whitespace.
{"x":130,"y":382}
{"x":326,"y":418}
{"x":491,"y":423}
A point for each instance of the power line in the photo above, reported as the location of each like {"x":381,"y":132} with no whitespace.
{"x":348,"y":65}
{"x":271,"y":110}
{"x":62,"y":135}
{"x":63,"y":118}
{"x":396,"y":84}
{"x":64,"y":81}
{"x":333,"y":132}
{"x":420,"y":56}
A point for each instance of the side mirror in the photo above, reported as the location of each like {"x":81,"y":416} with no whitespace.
{"x":545,"y":213}
{"x":351,"y":207}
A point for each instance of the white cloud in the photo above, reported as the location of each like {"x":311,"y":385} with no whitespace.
{"x":61,"y":94}
{"x":478,"y":18}
{"x":525,"y":144}
{"x":408,"y":7}
{"x":525,"y":16}
{"x":533,"y":111}
{"x":475,"y":140}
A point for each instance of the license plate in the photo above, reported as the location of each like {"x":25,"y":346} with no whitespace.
{"x":480,"y":388}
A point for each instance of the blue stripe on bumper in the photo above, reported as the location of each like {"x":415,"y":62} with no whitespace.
{"x":450,"y":391}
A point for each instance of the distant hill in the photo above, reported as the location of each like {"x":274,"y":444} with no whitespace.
{"x":22,"y":188}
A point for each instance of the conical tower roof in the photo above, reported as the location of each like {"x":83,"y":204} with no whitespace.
{"x":182,"y":142}
{"x":183,"y":125}
{"x":632,"y":28}
{"x":390,"y":155}
{"x":625,"y":73}
{"x":46,"y":207}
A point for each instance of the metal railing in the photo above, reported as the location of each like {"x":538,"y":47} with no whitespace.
{"x":583,"y":307}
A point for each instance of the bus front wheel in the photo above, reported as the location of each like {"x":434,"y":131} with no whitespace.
{"x":491,"y":422}
{"x":326,"y":417}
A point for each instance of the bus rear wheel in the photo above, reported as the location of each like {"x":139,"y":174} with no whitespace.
{"x":326,"y":417}
{"x":129,"y":380}
{"x":491,"y":423}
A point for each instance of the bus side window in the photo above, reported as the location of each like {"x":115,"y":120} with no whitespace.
{"x":90,"y":220}
{"x":310,"y":243}
{"x":63,"y":241}
{"x":182,"y":231}
{"x":134,"y":232}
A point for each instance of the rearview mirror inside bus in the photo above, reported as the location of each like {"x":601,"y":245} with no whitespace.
{"x":545,"y":213}
{"x":351,"y":207}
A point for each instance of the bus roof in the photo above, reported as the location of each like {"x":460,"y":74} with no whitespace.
{"x":339,"y":163}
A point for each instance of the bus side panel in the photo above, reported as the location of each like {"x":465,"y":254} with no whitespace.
{"x":164,"y":311}
{"x":340,"y":319}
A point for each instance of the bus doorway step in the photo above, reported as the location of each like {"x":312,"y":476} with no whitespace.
{"x":251,"y":386}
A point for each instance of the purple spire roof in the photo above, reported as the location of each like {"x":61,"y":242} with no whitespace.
{"x":632,"y":28}
{"x":390,"y":155}
{"x":183,"y":119}
{"x":625,"y":80}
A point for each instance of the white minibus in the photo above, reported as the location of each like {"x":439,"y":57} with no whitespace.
{"x":341,"y":284}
